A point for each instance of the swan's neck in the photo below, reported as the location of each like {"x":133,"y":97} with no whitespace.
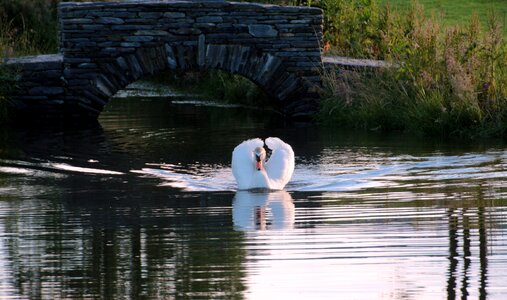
{"x":260,"y":179}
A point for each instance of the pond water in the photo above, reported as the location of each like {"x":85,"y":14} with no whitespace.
{"x":143,"y":205}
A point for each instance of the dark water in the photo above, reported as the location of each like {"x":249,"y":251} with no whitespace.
{"x":143,"y":205}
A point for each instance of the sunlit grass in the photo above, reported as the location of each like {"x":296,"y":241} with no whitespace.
{"x":448,"y":81}
{"x":452,"y":12}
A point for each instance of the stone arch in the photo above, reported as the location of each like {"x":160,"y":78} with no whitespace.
{"x":106,"y":45}
{"x":264,"y":69}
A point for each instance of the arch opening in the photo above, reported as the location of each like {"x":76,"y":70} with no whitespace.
{"x":218,"y":85}
{"x":264,"y":70}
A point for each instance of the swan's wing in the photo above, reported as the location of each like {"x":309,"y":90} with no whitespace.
{"x":280,"y":165}
{"x":243,"y":162}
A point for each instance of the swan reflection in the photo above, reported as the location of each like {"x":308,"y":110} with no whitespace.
{"x":263,"y":210}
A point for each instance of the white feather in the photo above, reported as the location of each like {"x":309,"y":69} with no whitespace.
{"x":280,"y":165}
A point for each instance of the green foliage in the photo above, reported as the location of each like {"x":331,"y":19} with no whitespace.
{"x":452,"y":12}
{"x":285,"y":2}
{"x":28,"y":27}
{"x":446,"y":81}
{"x":351,"y":27}
{"x":219,"y":85}
{"x":231,"y":88}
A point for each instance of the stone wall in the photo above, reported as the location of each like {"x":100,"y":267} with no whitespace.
{"x":41,"y":88}
{"x":106,"y":46}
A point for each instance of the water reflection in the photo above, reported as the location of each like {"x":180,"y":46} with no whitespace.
{"x":461,"y":236}
{"x":142,"y":206}
{"x":263,"y":210}
{"x":85,"y":245}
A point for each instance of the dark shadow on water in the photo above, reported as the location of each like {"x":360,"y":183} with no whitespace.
{"x":91,"y":244}
{"x":51,"y":139}
{"x":483,"y":253}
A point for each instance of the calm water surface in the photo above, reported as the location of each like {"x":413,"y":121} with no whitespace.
{"x":143,"y":205}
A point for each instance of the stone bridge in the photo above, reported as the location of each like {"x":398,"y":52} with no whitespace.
{"x":106,"y":46}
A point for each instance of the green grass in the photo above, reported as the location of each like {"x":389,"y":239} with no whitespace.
{"x":27,"y":27}
{"x":454,"y":12}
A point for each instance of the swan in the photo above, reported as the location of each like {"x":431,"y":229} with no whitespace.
{"x":252,"y":171}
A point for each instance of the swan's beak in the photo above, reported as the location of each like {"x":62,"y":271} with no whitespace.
{"x":258,"y":163}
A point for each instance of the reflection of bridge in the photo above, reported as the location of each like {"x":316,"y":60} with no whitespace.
{"x":105,"y":46}
{"x":461,"y":219}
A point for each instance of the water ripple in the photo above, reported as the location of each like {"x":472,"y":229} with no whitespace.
{"x":408,"y":173}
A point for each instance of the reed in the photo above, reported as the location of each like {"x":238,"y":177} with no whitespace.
{"x":448,"y":81}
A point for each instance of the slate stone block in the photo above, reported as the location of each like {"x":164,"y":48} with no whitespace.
{"x":262,"y":31}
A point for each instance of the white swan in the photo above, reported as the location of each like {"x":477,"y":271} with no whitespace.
{"x":251,"y":170}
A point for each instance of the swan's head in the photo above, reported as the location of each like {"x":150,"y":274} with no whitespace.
{"x":260,"y":156}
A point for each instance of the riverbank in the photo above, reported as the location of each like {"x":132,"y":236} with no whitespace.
{"x":445,"y":80}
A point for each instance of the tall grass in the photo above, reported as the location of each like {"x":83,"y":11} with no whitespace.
{"x":448,"y":81}
{"x":28,"y":27}
{"x":452,"y":12}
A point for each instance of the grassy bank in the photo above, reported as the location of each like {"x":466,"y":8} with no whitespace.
{"x":26,"y":27}
{"x":450,"y":80}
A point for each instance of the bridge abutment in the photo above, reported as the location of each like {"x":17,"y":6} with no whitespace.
{"x":41,"y":88}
